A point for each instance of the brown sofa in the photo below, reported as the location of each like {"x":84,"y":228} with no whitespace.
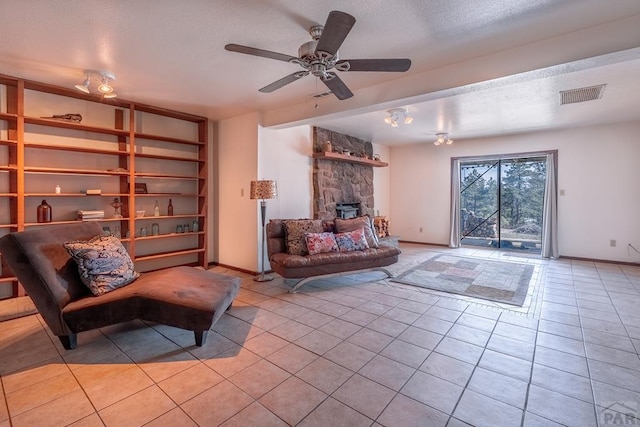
{"x":311,"y":267}
{"x":184,"y":297}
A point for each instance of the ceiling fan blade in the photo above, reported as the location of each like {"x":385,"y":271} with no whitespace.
{"x":397,"y":65}
{"x":337,"y":86}
{"x":335,"y":31}
{"x":259,"y":52}
{"x":283,"y":81}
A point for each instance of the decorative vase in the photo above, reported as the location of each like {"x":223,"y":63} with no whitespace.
{"x":44,"y":212}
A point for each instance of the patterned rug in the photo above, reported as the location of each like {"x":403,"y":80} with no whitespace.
{"x":500,"y":281}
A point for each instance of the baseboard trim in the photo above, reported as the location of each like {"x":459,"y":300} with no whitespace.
{"x":424,"y":243}
{"x":602,"y":261}
{"x":567,"y":257}
{"x":241,"y":270}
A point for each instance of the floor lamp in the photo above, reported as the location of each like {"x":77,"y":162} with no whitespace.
{"x":263,"y":190}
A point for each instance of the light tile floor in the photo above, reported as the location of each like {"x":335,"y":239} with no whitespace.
{"x":356,"y":350}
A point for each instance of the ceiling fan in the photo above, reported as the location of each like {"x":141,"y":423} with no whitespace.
{"x":320,"y":55}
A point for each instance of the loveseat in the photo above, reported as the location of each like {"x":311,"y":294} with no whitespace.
{"x":290,"y":260}
{"x":184,"y":297}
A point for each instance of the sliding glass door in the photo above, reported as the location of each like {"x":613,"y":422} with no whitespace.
{"x":501,"y":202}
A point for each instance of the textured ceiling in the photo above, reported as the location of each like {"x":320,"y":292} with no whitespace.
{"x":171,"y":54}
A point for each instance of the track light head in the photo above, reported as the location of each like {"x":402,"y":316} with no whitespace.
{"x":104,"y":88}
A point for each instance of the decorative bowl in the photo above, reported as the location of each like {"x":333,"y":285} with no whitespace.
{"x":139,"y":214}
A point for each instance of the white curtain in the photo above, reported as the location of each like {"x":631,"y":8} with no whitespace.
{"x":454,"y":235}
{"x":550,"y":211}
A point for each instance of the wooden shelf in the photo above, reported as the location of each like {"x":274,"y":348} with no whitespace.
{"x":170,"y":216}
{"x":167,"y":139}
{"x":64,"y":171}
{"x":73,"y":221}
{"x":171,"y":158}
{"x":7,"y":142}
{"x":75,"y":195}
{"x":165,"y":235}
{"x":76,"y":149}
{"x":8,"y":279}
{"x":349,"y":159}
{"x":74,"y":126}
{"x":167,"y":254}
{"x":163,"y":176}
{"x":7,"y":116}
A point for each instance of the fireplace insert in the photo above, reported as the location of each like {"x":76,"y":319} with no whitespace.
{"x":347,"y":210}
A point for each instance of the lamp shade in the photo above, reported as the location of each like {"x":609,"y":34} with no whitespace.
{"x":263,"y":190}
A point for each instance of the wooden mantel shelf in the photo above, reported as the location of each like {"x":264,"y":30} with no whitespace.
{"x":349,"y":159}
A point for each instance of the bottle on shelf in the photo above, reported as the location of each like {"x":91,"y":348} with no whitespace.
{"x":195,"y":226}
{"x":58,"y":189}
{"x":156,"y":209}
{"x":44,"y":212}
{"x":170,"y":208}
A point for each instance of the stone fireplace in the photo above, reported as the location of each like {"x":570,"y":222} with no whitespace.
{"x":338,"y":183}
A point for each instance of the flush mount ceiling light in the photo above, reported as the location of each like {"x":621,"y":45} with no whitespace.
{"x":443,"y":138}
{"x":398,"y":115}
{"x":104,"y":88}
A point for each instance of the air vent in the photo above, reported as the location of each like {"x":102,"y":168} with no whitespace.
{"x":320,"y":95}
{"x":582,"y":94}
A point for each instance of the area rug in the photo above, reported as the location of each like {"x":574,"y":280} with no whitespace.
{"x":500,"y":281}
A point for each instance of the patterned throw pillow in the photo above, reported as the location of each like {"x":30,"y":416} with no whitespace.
{"x":364,"y":222}
{"x":103,"y":263}
{"x":320,"y":243}
{"x":294,"y":230}
{"x":352,"y":241}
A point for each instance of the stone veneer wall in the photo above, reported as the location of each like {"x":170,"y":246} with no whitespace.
{"x":341,"y":182}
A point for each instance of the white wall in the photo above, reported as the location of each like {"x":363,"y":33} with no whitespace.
{"x":285,"y":156}
{"x":381,"y":176}
{"x":246,"y":151}
{"x":597,"y":168}
{"x":237,"y":214}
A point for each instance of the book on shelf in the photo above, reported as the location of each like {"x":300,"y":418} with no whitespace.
{"x":90,"y":214}
{"x":95,"y":191}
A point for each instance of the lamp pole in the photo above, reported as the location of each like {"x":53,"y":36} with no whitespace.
{"x":263,"y":213}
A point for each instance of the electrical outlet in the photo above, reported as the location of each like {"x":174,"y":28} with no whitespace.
{"x":612,"y":243}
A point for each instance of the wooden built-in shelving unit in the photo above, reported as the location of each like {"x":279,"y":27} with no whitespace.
{"x":118,"y":144}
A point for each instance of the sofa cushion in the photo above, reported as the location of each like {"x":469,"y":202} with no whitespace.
{"x":321,"y":243}
{"x":103,"y":263}
{"x":352,"y":241}
{"x":294,"y":234}
{"x":364,"y":222}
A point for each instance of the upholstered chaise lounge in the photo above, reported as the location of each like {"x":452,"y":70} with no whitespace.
{"x":183,"y":297}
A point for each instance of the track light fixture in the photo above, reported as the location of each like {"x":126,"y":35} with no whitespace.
{"x":84,"y":87}
{"x":104,"y":88}
{"x":443,"y":138}
{"x":398,"y":115}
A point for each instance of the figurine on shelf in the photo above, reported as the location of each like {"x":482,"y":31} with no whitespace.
{"x":76,"y":118}
{"x":156,"y":209}
{"x":117,"y":204}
